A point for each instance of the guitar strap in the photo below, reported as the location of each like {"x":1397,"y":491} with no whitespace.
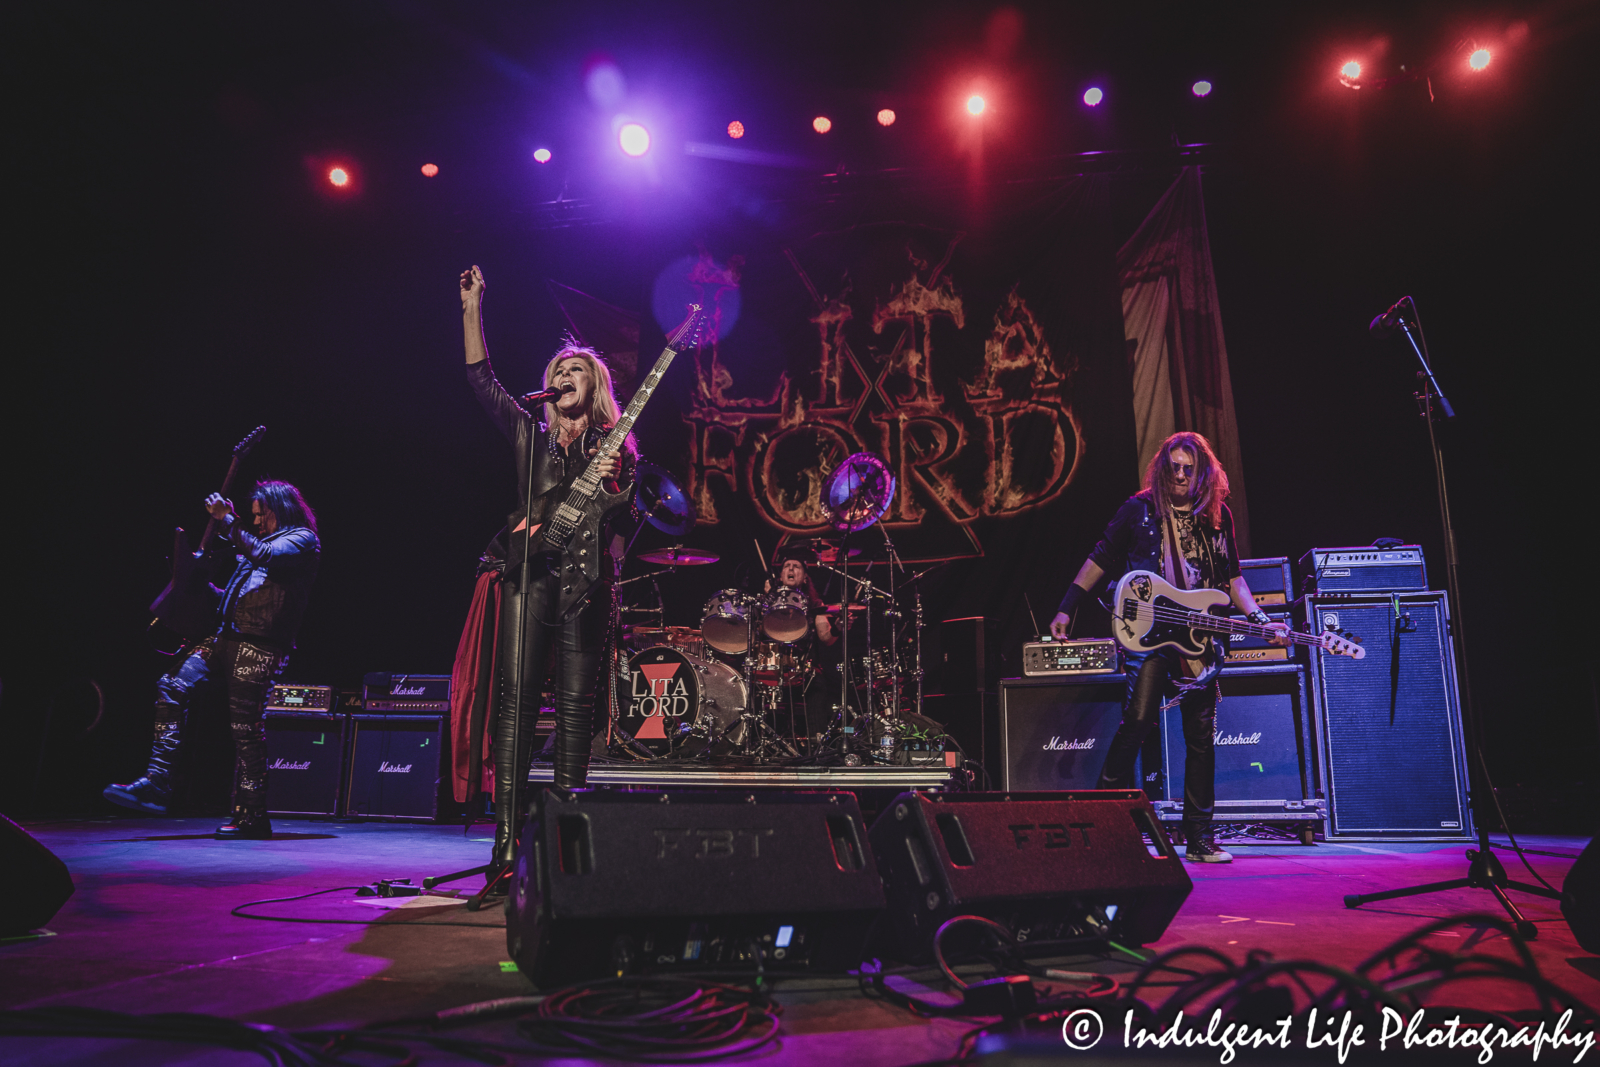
{"x":1192,"y":668}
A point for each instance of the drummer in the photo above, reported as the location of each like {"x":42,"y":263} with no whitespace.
{"x":790,"y":570}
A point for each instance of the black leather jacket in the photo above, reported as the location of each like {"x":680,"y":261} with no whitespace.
{"x":265,"y":598}
{"x":1132,"y":542}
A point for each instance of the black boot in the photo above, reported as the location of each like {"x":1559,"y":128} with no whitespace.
{"x":153,"y":792}
{"x":245,"y":826}
{"x":141,"y":795}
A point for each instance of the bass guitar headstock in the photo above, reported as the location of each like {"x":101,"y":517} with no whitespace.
{"x":1341,"y":645}
{"x":689,"y":333}
{"x":242,"y":449}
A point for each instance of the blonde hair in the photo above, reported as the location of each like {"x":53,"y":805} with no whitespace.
{"x":1210,"y":480}
{"x":603,"y":409}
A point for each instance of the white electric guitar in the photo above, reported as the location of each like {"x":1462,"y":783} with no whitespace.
{"x":1150,"y":613}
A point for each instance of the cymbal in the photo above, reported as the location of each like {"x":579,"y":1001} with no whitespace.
{"x":827,"y":553}
{"x":859,"y":492}
{"x":678,"y":556}
{"x":821,"y":549}
{"x":663,"y":504}
{"x":838,"y":609}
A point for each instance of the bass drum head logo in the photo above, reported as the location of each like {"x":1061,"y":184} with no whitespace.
{"x":659,"y":691}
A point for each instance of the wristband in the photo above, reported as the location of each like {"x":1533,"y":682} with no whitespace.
{"x":1069,"y":603}
{"x":1259,"y":617}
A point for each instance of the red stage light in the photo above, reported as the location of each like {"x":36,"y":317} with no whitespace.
{"x":429,"y":170}
{"x":634,"y":139}
{"x":886,"y":117}
{"x":541,"y":155}
{"x":822,"y":124}
{"x":339,"y":176}
{"x":1093,"y":97}
{"x":736,"y":129}
{"x":1478,"y":59}
{"x":1351,"y":70}
{"x":1201,"y":88}
{"x":975,"y":104}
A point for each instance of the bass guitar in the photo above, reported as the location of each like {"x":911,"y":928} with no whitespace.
{"x":187,"y":608}
{"x":569,"y":522}
{"x":1148,"y":613}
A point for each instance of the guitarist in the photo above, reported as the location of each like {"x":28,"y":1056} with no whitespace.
{"x":564,"y":437}
{"x":273,"y":559}
{"x":1179,"y":527}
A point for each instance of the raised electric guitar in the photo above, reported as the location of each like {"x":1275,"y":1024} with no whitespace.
{"x":186,"y":610}
{"x":568,"y":527}
{"x":1150,"y":613}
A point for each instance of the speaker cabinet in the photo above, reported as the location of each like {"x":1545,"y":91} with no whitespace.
{"x":1263,"y":726}
{"x":305,"y":761}
{"x":1056,"y":869}
{"x":35,"y":885}
{"x":394,"y":767}
{"x":1391,"y":734}
{"x":1054,"y":731}
{"x":1580,"y":899}
{"x":617,"y":883}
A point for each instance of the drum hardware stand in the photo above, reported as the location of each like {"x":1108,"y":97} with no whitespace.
{"x":1484,"y":870}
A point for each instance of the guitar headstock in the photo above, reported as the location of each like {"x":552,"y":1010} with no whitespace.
{"x":242,"y":449}
{"x":1340,"y":645}
{"x":689,"y":333}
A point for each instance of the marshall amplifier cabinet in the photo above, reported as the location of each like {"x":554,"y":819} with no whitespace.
{"x":1264,"y":730}
{"x":1391,"y":736}
{"x":305,"y":755}
{"x":394,"y":767}
{"x":408,"y":694}
{"x":285,"y":696}
{"x":1268,"y":579}
{"x":1364,"y":570}
{"x":1095,"y":655}
{"x":1054,"y":731}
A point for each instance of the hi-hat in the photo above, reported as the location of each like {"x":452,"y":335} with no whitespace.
{"x":859,"y":492}
{"x":678,"y":556}
{"x":664,"y":504}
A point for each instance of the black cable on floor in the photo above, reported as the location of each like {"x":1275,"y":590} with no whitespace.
{"x":239,"y":911}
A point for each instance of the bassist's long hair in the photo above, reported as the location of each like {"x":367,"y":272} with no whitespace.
{"x":603,"y":409}
{"x":1210,"y":480}
{"x":285,"y":501}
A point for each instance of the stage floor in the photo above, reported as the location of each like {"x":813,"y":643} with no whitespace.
{"x":149,"y":930}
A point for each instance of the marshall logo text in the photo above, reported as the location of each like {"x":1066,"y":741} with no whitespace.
{"x":281,"y":764}
{"x":393,"y":768}
{"x":1055,"y":744}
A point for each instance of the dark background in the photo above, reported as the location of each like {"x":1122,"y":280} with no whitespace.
{"x":182,"y":272}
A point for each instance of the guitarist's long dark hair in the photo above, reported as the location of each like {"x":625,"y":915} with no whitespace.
{"x":285,"y":501}
{"x":1210,"y":480}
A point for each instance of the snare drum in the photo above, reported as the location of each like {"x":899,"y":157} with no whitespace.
{"x":784,"y":615}
{"x":725,"y":622}
{"x":670,"y":697}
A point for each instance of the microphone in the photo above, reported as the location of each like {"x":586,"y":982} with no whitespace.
{"x":549,"y":394}
{"x":1386,"y":322}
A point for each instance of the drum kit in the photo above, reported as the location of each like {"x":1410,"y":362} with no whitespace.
{"x":717,"y":690}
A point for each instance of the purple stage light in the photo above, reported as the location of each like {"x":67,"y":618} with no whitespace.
{"x":1094,"y":96}
{"x":1201,"y":88}
{"x":541,"y":155}
{"x":634,"y":139}
{"x":736,"y":129}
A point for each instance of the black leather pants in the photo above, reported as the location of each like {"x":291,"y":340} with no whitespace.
{"x":570,"y":652}
{"x":246,"y":670}
{"x":1152,"y":678}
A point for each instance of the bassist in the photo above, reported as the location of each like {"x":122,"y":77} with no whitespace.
{"x":1179,"y":527}
{"x":564,"y":435}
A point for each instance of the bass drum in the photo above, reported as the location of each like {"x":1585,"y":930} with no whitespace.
{"x":725,"y":621}
{"x":784,"y":617}
{"x":672,"y":700}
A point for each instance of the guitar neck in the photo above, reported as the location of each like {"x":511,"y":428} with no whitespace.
{"x":211,"y":524}
{"x":617,"y":436}
{"x":1200,"y":620}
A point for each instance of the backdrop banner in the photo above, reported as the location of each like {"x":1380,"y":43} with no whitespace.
{"x":985,"y":367}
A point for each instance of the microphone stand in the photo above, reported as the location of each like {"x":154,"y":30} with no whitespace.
{"x":1484,"y":870}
